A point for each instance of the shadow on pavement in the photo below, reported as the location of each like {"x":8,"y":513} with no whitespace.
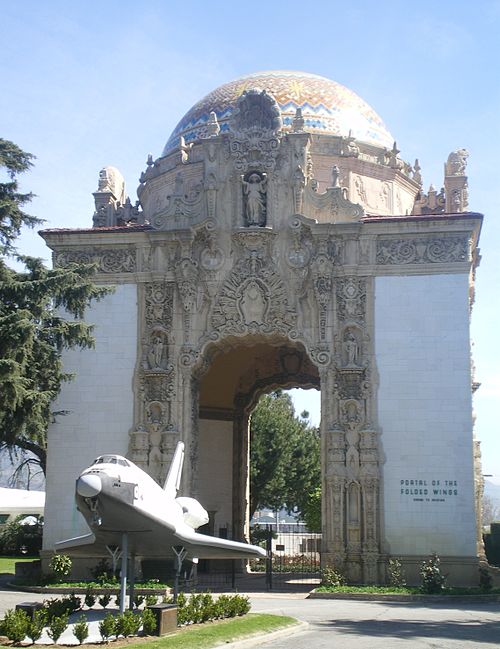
{"x":473,"y":631}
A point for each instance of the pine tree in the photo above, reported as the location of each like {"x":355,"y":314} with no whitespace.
{"x":41,"y":313}
{"x":284,"y":455}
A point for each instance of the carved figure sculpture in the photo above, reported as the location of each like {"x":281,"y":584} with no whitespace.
{"x":351,"y":350}
{"x":254,"y":190}
{"x":457,"y":163}
{"x":111,"y":180}
{"x":157,"y":350}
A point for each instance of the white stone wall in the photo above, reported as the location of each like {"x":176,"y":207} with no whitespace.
{"x":215,"y":479}
{"x":424,"y":409}
{"x":100,"y":405}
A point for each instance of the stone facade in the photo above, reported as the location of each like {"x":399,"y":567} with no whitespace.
{"x":262,"y":255}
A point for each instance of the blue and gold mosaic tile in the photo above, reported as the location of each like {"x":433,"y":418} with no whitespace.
{"x":327,"y":107}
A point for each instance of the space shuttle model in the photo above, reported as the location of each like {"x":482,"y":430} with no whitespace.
{"x":120,"y":502}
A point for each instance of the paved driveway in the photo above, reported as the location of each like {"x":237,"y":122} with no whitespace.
{"x":347,"y":624}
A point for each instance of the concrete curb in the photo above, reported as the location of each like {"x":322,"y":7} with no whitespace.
{"x":78,"y":590}
{"x":258,"y":638}
{"x":381,"y":597}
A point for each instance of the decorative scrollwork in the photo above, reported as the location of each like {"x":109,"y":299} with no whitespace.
{"x":420,"y":251}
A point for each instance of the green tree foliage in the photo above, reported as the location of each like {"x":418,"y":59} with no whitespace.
{"x":311,"y":511}
{"x":284,"y":455}
{"x":17,"y":537}
{"x":41,"y":313}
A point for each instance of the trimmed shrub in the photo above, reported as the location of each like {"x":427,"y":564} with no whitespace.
{"x":56,"y":627}
{"x":151,"y":600}
{"x":330,"y":576}
{"x":432,"y":578}
{"x":148,"y":622}
{"x":90,"y":597}
{"x":202,"y":607}
{"x":396,"y":573}
{"x":15,"y":625}
{"x":35,"y":625}
{"x":128,"y":623}
{"x":60,"y":565}
{"x":81,"y":629}
{"x":107,"y":627}
{"x":104,"y":600}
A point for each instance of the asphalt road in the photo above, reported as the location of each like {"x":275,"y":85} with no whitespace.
{"x":347,"y":624}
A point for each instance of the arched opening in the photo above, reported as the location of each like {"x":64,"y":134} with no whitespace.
{"x":237,"y":372}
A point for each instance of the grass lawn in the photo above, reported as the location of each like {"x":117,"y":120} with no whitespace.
{"x":7,"y":563}
{"x":402,"y":590}
{"x":214,"y":633}
{"x":210,"y":634}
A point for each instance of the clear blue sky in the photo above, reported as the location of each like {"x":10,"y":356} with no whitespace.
{"x":85,"y":84}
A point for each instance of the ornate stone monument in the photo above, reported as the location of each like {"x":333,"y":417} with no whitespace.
{"x":280,"y":241}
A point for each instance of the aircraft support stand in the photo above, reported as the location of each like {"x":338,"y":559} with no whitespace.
{"x":180,"y":555}
{"x":131,"y":581}
{"x":123,"y":574}
{"x":115,"y":553}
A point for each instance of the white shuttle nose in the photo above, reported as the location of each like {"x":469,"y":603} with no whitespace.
{"x":88,"y":485}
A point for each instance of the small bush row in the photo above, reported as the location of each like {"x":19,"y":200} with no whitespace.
{"x":203,"y":607}
{"x":127,"y":624}
{"x":196,"y":609}
{"x":432,"y":579}
{"x":17,"y":625}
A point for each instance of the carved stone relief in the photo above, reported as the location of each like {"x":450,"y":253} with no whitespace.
{"x":114,"y":260}
{"x":351,"y":299}
{"x":253,"y":297}
{"x":331,"y":205}
{"x":155,"y":381}
{"x":180,"y":206}
{"x":255,"y":127}
{"x":352,"y":447}
{"x":424,"y":250}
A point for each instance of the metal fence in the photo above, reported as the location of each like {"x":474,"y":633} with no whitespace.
{"x":292,"y":564}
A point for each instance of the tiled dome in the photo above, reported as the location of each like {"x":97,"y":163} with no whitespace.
{"x":327,"y":107}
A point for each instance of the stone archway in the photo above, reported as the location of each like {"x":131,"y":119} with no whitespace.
{"x":236,"y":374}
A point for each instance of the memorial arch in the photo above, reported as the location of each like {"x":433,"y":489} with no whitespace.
{"x":281,"y":240}
{"x":236,"y":374}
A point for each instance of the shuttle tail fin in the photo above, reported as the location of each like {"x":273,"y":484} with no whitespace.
{"x":173,"y":481}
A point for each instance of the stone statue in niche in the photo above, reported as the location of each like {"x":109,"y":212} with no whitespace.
{"x":254,"y":198}
{"x":156,"y":352}
{"x":351,"y":350}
